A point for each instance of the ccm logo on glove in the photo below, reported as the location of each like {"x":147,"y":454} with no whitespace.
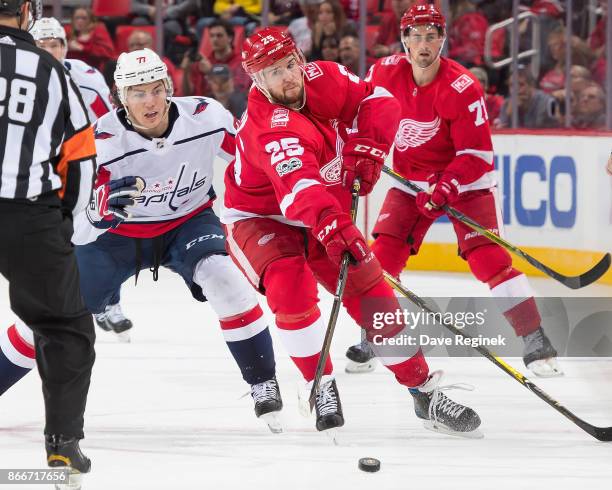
{"x":375,"y":152}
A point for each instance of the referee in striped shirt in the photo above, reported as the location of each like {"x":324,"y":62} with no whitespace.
{"x":47,"y":153}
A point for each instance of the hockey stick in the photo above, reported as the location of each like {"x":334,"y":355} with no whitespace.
{"x":572,"y":282}
{"x":331,"y":325}
{"x":599,"y":433}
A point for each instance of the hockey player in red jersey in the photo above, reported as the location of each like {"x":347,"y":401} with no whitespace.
{"x":307,"y":127}
{"x":443,"y":143}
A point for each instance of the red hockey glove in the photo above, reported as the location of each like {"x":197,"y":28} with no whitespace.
{"x":444,"y":192}
{"x":338,"y":234}
{"x":363,"y":159}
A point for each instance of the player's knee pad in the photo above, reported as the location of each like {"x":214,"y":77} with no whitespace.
{"x":225,"y":287}
{"x":290,"y":286}
{"x":488,"y":261}
{"x":391,"y":252}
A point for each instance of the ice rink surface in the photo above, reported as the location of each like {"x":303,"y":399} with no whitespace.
{"x":165,"y":412}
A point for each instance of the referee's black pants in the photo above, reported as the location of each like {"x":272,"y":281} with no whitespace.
{"x":37,"y":259}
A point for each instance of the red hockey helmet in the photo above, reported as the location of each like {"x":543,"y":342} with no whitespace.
{"x":422,"y":14}
{"x":266,"y":47}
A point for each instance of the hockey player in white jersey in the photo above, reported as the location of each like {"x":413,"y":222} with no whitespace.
{"x":152,"y":207}
{"x":50,"y":35}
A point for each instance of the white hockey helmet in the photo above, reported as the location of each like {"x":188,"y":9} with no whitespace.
{"x":140,"y":67}
{"x":48,"y":28}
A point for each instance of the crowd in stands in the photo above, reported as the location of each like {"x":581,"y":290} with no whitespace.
{"x":202,"y":40}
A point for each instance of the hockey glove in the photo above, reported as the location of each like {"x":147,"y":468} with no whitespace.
{"x":363,"y":159}
{"x":338,"y":234}
{"x":108,"y":207}
{"x":443,"y":192}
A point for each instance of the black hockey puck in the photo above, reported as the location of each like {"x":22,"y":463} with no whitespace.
{"x":371,"y":465}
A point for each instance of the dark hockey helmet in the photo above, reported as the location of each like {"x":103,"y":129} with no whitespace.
{"x":266,"y":47}
{"x":423,"y":15}
{"x":13,"y":7}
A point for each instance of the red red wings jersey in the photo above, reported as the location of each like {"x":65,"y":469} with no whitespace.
{"x":443,"y":125}
{"x":288,"y":162}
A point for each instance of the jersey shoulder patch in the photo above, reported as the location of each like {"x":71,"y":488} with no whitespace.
{"x":462,"y":82}
{"x":312,"y":70}
{"x":391,"y":60}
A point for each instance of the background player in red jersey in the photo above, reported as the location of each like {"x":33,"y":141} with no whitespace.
{"x":443,"y":143}
{"x":285,"y":213}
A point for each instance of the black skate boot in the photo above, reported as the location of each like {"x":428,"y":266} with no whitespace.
{"x":113,"y":320}
{"x":328,"y":406}
{"x":268,"y":403}
{"x":440,"y":413}
{"x":539,"y":355}
{"x":65,"y":452}
{"x":361,"y":358}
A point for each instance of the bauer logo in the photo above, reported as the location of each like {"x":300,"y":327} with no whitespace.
{"x":462,"y":83}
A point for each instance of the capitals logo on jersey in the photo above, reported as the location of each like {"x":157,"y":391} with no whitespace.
{"x":201,"y":107}
{"x":102,"y":135}
{"x":411,"y":133}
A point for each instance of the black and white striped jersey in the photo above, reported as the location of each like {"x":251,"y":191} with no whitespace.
{"x":46,"y":140}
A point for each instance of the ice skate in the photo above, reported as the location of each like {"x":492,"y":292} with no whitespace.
{"x":440,"y":413}
{"x":113,"y":320}
{"x":540,"y":356}
{"x":65,"y":452}
{"x":361,"y":358}
{"x":268,"y":403}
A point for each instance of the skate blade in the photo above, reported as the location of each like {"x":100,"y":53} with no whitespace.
{"x":332,"y":436}
{"x":303,"y":403}
{"x":546,"y":368}
{"x":124,"y":337}
{"x":272,"y":419}
{"x":75,"y":482}
{"x":353,"y":367}
{"x":442,"y":429}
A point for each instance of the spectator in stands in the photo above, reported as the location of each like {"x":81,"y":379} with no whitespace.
{"x":348,"y":51}
{"x":282,"y":12}
{"x":142,"y":39}
{"x":89,"y":40}
{"x":536,"y":109}
{"x":331,"y":21}
{"x":597,"y":39}
{"x":300,"y":29}
{"x":580,"y":78}
{"x":329,"y":49}
{"x":175,"y":15}
{"x":222,"y":89}
{"x":388,"y":40}
{"x":466,"y":35}
{"x":351,"y":9}
{"x":591,"y":108}
{"x":493,"y":102}
{"x":239,"y":12}
{"x":196,"y":65}
{"x":554,"y":79}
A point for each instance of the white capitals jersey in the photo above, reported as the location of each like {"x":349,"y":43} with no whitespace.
{"x":177,"y":168}
{"x":93,"y":88}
